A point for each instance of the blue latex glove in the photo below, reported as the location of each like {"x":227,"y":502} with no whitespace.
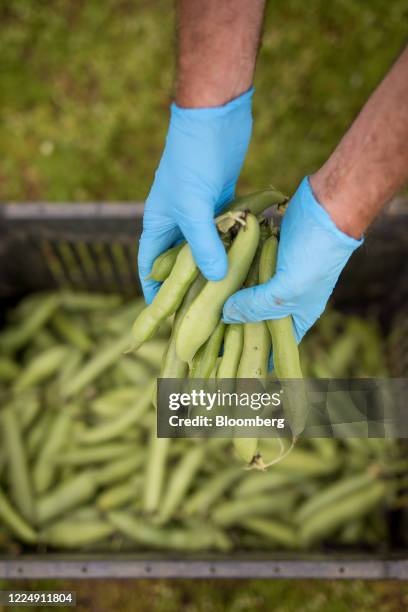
{"x":196,"y":178}
{"x":312,"y":253}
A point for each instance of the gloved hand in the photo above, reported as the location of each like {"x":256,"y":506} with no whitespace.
{"x":312,"y":253}
{"x":196,"y":178}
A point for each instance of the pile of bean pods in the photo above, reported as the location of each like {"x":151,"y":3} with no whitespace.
{"x":198,"y":332}
{"x":81,"y":467}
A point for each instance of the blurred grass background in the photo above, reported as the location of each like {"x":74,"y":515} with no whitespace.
{"x":226,"y":595}
{"x":85,"y":88}
{"x":84,"y":94}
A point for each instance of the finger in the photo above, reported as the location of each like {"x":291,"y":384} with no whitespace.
{"x":260,"y":303}
{"x":226,"y":198}
{"x":205,"y":243}
{"x":151,"y":245}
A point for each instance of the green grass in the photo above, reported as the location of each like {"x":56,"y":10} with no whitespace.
{"x":226,"y":595}
{"x":85,"y":88}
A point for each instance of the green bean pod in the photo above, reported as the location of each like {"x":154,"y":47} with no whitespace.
{"x":233,"y":343}
{"x":120,"y":494}
{"x":263,"y":482}
{"x":88,"y":512}
{"x":70,"y":533}
{"x":256,"y":339}
{"x":188,"y":539}
{"x":206,"y":357}
{"x":231,"y":512}
{"x":100,"y":362}
{"x":257,"y":201}
{"x":152,"y":352}
{"x":255,"y":352}
{"x":326,"y":447}
{"x":113,"y":402}
{"x":335,"y":492}
{"x":114,"y":428}
{"x":163,"y":264}
{"x":66,"y":496}
{"x":70,"y":367}
{"x":172,"y":366}
{"x":44,"y":366}
{"x":272,"y":530}
{"x":329,"y":518}
{"x":27,"y":406}
{"x":103,"y":322}
{"x":205,"y":312}
{"x":180,"y":481}
{"x":37,"y":434}
{"x":44,"y":470}
{"x":16,"y":523}
{"x":71,"y":332}
{"x":213,"y":489}
{"x":253,"y":364}
{"x":25,"y":307}
{"x":246,"y":449}
{"x":307,"y":463}
{"x":155,"y":471}
{"x":168,"y":298}
{"x":88,"y":455}
{"x":17,"y":336}
{"x":119,"y":469}
{"x":341,"y":351}
{"x":18,"y":473}
{"x":228,"y":363}
{"x":132,"y":370}
{"x":285,"y":350}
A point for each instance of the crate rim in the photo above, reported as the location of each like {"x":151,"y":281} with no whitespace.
{"x":138,"y":567}
{"x":55,"y":210}
{"x":26,"y":209}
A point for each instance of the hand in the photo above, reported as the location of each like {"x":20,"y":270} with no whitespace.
{"x":196,"y":178}
{"x":312,"y":253}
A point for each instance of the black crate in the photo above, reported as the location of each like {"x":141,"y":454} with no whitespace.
{"x":93,"y":247}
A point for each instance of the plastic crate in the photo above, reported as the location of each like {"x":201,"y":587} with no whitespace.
{"x":93,"y":247}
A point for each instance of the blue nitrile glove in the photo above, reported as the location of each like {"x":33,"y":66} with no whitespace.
{"x":312,"y":253}
{"x":196,"y":178}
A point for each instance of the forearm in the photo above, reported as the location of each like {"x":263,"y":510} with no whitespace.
{"x":370,"y":164}
{"x":218,"y":42}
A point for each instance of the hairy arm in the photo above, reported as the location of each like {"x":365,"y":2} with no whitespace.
{"x":209,"y":132}
{"x":370,"y":164}
{"x":217,"y":50}
{"x":328,"y":214}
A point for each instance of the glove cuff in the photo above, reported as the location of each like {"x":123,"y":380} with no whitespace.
{"x":241,"y":102}
{"x":321,"y":216}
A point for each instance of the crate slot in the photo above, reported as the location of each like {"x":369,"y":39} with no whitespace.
{"x":56,"y":263}
{"x":99,"y":271}
{"x":117,"y":274}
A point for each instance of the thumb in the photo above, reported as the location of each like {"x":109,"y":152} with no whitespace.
{"x":267,"y":301}
{"x":151,"y":245}
{"x":200,"y":231}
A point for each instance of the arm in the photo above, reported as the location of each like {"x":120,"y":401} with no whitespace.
{"x":328,"y":214}
{"x":370,"y":164}
{"x":217,"y":47}
{"x":209,"y":132}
